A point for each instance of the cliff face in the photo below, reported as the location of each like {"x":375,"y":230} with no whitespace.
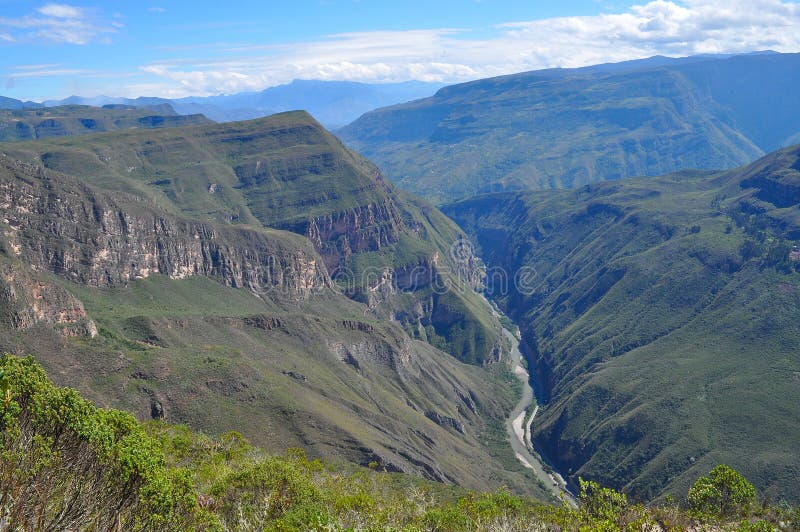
{"x":164,"y":238}
{"x":26,"y":301}
{"x":337,"y":236}
{"x":59,"y":225}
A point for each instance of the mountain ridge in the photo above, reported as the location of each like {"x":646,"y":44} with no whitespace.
{"x":334,"y":103}
{"x":228,"y":326}
{"x":30,"y":124}
{"x":566,"y":128}
{"x":287,"y":172}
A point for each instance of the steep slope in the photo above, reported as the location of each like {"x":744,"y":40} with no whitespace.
{"x":662,"y":318}
{"x":566,"y":128}
{"x":230,"y":327}
{"x":28,"y":124}
{"x":113,"y":472}
{"x":385,"y":248}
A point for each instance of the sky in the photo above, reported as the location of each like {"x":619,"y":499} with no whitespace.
{"x":173,"y":49}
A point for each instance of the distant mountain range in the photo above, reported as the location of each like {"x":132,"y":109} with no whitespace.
{"x":333,"y":103}
{"x":568,"y":127}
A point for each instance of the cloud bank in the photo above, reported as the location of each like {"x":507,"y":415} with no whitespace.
{"x":659,"y":27}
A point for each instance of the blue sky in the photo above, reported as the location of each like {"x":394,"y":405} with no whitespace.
{"x":180,"y":48}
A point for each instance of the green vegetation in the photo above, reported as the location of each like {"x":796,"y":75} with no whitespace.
{"x":723,"y":493}
{"x":67,"y":464}
{"x":89,"y":278}
{"x":221,"y":359}
{"x":564,"y":128}
{"x":663,"y":319}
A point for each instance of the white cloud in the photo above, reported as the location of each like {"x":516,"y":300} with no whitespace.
{"x":47,"y":73}
{"x":665,"y":27}
{"x":58,"y":23}
{"x":59,"y":11}
{"x":654,"y":27}
{"x":156,"y":9}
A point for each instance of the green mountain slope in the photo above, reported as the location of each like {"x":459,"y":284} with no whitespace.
{"x":233,"y":327}
{"x":566,"y":128}
{"x":662,"y":317}
{"x":383,"y":247}
{"x":27,"y":124}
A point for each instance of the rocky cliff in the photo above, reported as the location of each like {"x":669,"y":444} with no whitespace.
{"x":26,"y":301}
{"x":57,"y":224}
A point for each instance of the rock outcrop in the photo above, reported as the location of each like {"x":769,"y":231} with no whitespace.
{"x":57,"y":224}
{"x":339,"y":235}
{"x":26,"y":301}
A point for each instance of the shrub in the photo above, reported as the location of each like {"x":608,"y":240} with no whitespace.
{"x":723,"y":493}
{"x":64,"y":464}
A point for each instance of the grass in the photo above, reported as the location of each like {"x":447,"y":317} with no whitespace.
{"x":159,"y":296}
{"x":211,"y":357}
{"x":125,"y":474}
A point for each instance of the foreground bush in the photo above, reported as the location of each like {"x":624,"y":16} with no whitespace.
{"x":67,"y":465}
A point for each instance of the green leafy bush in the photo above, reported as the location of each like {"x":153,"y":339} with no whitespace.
{"x":64,"y":464}
{"x":723,"y":493}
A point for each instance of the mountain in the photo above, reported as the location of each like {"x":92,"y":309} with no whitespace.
{"x":201,"y":274}
{"x":384,"y":247}
{"x":562,"y":128}
{"x":29,"y":124}
{"x":662,"y":317}
{"x":11,"y":103}
{"x":333,"y":103}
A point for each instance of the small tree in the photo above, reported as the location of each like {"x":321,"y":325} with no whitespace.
{"x":604,"y":504}
{"x":723,"y":493}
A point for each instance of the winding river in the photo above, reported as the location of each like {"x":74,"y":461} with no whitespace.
{"x":520,"y":436}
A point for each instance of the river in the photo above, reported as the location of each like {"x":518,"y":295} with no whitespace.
{"x":519,"y":435}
